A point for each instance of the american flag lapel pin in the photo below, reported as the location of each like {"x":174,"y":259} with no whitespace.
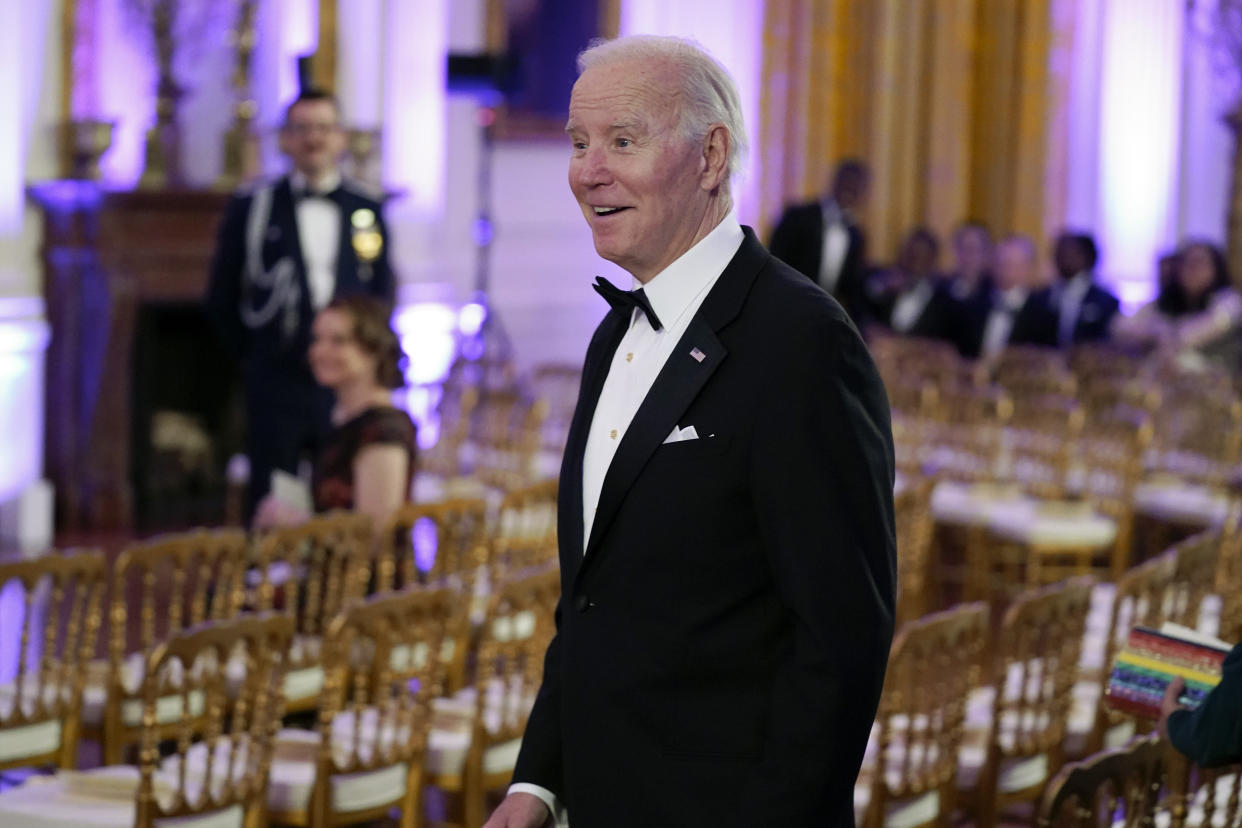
{"x":698,"y":355}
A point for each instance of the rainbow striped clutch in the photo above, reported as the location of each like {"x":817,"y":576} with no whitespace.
{"x":1153,"y":658}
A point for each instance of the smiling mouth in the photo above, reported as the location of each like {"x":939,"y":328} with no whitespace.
{"x":608,"y":211}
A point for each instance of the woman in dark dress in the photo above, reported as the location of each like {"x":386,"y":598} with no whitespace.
{"x":366,"y":464}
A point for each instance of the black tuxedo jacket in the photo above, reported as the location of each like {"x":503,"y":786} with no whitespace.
{"x":721,"y":646}
{"x":1095,"y":315}
{"x":798,"y":240}
{"x":276,"y":351}
{"x":942,"y":316}
{"x":1034,"y":324}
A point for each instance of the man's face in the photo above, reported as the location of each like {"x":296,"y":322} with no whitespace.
{"x":1015,"y":267}
{"x":640,"y":185}
{"x":973,"y":251}
{"x":313,"y":138}
{"x":1068,"y":257}
{"x":849,"y":189}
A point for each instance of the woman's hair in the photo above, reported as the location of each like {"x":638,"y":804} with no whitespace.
{"x":1173,"y":300}
{"x":374,"y":336}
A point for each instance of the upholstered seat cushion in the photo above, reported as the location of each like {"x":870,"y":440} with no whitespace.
{"x":104,"y":797}
{"x":1178,"y":501}
{"x":95,"y":694}
{"x":452,"y":730}
{"x":38,"y":738}
{"x":971,"y":504}
{"x":1052,"y":525}
{"x":292,"y":778}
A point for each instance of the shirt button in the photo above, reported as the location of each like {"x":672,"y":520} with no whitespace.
{"x":629,"y":357}
{"x":582,"y":603}
{"x":613,"y":434}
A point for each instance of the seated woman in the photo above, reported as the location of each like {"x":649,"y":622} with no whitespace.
{"x":366,"y":464}
{"x":1196,"y":318}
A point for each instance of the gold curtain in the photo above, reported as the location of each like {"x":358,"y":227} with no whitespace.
{"x":952,"y":103}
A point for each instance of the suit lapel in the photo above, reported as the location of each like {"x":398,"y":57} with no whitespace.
{"x":675,"y":388}
{"x":678,"y":383}
{"x":346,"y":259}
{"x":595,"y":371}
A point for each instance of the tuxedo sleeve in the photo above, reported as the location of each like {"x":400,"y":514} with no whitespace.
{"x":223,"y":298}
{"x":1211,"y":734}
{"x":822,"y":483}
{"x":539,"y":761}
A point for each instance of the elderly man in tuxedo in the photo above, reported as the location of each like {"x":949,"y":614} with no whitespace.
{"x":286,"y":248}
{"x":726,"y":516}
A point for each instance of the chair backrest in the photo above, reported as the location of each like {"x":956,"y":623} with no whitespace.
{"x":512,"y":642}
{"x":1144,"y":596}
{"x":1201,"y":796}
{"x":383,"y":668}
{"x":934,"y":664}
{"x":61,"y":597}
{"x":915,"y":525}
{"x":1036,"y":665}
{"x":1194,"y":578}
{"x":1042,"y":440}
{"x":312,"y":571}
{"x":505,"y":435}
{"x":1119,"y":787}
{"x":172,"y":583}
{"x":1229,"y":576}
{"x":229,"y":767}
{"x":525,"y":532}
{"x":973,"y":420}
{"x":431,"y":542}
{"x":1026,"y":370}
{"x":1199,"y":431}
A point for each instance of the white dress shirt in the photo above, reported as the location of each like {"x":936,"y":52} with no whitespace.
{"x":319,"y":235}
{"x":910,"y":306}
{"x":836,"y":246}
{"x":1000,"y":321}
{"x":675,"y":295}
{"x":1072,"y":293}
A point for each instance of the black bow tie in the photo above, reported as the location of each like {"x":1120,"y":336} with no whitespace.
{"x":627,"y":300}
{"x":329,"y":195}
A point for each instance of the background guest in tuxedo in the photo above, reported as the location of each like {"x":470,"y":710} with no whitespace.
{"x":726,"y":517}
{"x":1084,"y":309}
{"x":366,"y":462}
{"x":285,"y":249}
{"x":1196,"y":318}
{"x":911,"y":298}
{"x":1016,"y":314}
{"x":971,"y":276}
{"x":822,"y":238}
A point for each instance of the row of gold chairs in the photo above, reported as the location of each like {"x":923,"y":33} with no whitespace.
{"x":976,"y":716}
{"x":218,"y":688}
{"x":1144,"y":783}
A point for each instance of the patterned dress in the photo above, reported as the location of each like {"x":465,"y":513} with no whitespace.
{"x":333,"y":480}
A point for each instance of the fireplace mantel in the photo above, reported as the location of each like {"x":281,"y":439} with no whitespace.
{"x":105,"y":254}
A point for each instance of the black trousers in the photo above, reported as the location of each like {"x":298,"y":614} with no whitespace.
{"x":287,"y":418}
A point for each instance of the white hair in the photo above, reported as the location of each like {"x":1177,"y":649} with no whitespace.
{"x":708,"y":93}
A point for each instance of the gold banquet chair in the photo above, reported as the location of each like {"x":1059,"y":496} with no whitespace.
{"x":159,"y":588}
{"x":909,"y":776}
{"x":1035,"y":665}
{"x":1144,"y":595}
{"x":40,"y":709}
{"x":476,"y":735}
{"x":218,"y":781}
{"x":1200,"y":796}
{"x":367,"y":755}
{"x":524,"y":534}
{"x":1120,"y":787}
{"x":310,"y":573}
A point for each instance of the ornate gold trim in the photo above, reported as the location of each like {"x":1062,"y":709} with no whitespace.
{"x":68,"y":43}
{"x":323,"y":72}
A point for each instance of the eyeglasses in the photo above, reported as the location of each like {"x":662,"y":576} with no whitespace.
{"x":308,"y":128}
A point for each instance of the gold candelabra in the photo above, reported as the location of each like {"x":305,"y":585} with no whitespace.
{"x":241,"y":143}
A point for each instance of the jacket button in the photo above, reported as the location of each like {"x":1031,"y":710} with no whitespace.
{"x":581,"y":603}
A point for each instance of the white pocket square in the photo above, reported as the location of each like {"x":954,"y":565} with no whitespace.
{"x":677,"y":435}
